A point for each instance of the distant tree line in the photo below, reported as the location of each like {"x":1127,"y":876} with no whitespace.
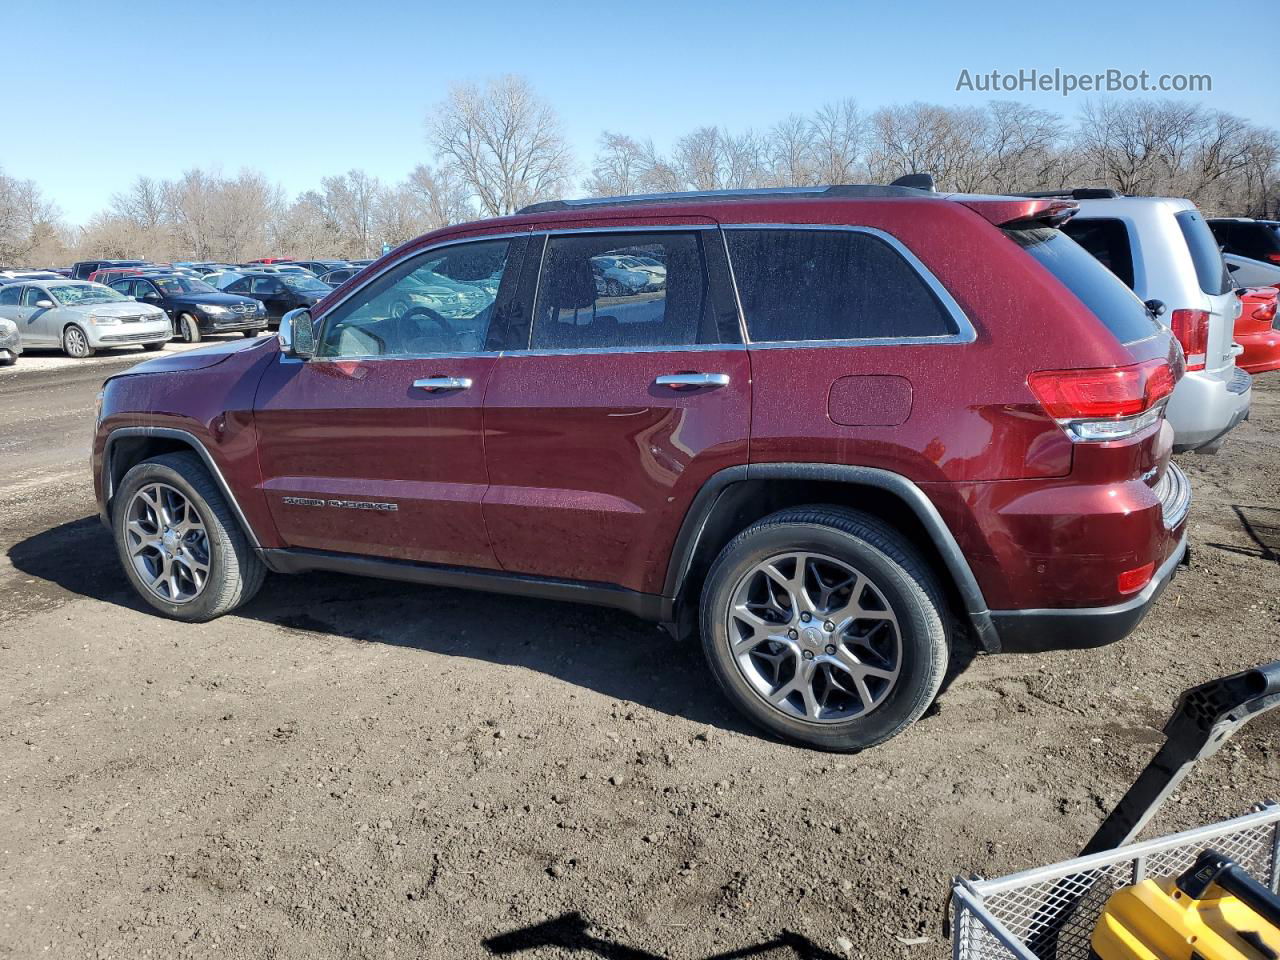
{"x":499,"y":146}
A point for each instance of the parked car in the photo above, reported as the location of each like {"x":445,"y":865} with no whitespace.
{"x":360,"y":263}
{"x":264,"y":260}
{"x":10,"y":342}
{"x":106,"y":275}
{"x":1258,"y":329}
{"x":321,"y":267}
{"x":1255,"y":239}
{"x":81,"y":269}
{"x":220,"y":278}
{"x":81,"y":317}
{"x":1163,"y":250}
{"x":196,"y":309}
{"x":803,"y":447}
{"x":1247,"y":272}
{"x":336,"y":278}
{"x":618,"y":277}
{"x":279,"y":292}
{"x":13,"y":276}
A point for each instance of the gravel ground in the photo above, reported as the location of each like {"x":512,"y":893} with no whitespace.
{"x":364,"y":769}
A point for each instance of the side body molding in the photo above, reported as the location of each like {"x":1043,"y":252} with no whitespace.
{"x":191,"y":440}
{"x":703,"y":506}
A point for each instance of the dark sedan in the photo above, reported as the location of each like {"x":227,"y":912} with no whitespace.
{"x":196,"y":308}
{"x":280,"y":292}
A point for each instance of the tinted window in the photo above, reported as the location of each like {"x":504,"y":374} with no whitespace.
{"x":9,"y":296}
{"x":1210,"y":271}
{"x":1096,"y":287}
{"x":595,"y":291}
{"x":31,"y":294}
{"x":1258,"y":241}
{"x":830,"y":285}
{"x":239,"y":286}
{"x":440,"y":302}
{"x":125,"y":287}
{"x":264,"y":285}
{"x":1108,"y":241}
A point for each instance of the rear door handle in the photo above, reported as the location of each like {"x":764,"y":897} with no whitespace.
{"x":692,"y":380}
{"x":438,"y":384}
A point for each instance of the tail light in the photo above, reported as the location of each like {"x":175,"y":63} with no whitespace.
{"x":1191,"y":327}
{"x":1105,"y":403}
{"x":1274,"y":257}
{"x":1265,"y":312}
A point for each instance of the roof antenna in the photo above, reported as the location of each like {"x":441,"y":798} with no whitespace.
{"x":917,"y":181}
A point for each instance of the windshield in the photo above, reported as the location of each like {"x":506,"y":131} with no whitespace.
{"x":1097,"y":288}
{"x":303,"y":283}
{"x":176,"y":286}
{"x":71,"y":295}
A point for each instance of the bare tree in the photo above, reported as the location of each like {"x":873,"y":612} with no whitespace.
{"x":504,"y":142}
{"x":439,"y":199}
{"x":620,"y":166}
{"x":792,"y":152}
{"x":350,"y":201}
{"x":839,"y":133}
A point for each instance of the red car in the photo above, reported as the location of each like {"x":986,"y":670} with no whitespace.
{"x":272,"y":260}
{"x":106,"y":275}
{"x":1258,"y":330}
{"x":832,"y":431}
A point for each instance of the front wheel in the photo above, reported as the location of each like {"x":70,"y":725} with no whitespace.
{"x":153,"y":347}
{"x":181,"y":548}
{"x":75,"y":343}
{"x":190,"y":329}
{"x":249,"y":334}
{"x":825,"y":627}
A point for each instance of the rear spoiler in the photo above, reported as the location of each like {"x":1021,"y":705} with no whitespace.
{"x":1014,"y":213}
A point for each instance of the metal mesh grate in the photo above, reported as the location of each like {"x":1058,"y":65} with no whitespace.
{"x":1049,"y":913}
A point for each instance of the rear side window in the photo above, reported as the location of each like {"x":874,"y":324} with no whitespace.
{"x":1108,"y":240}
{"x":1211,"y":273}
{"x":1109,"y":299}
{"x":9,"y":296}
{"x":816,"y":285}
{"x":621,"y":290}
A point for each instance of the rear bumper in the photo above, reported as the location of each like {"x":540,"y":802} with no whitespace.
{"x":1033,"y":631}
{"x":1205,"y":407}
{"x":1261,"y":351}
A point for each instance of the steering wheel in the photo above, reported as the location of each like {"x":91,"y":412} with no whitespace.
{"x":411,"y":332}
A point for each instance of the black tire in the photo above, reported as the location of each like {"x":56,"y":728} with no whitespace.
{"x":235,"y":571}
{"x":190,"y":329}
{"x":75,"y":343}
{"x":8,"y":360}
{"x":895,"y":569}
{"x":250,"y":334}
{"x":153,"y":347}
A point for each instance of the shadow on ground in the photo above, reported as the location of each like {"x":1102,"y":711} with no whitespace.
{"x":570,"y":932}
{"x":604,"y":650}
{"x":1262,"y":525}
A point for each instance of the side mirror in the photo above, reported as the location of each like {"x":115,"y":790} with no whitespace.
{"x":1155,"y":307}
{"x":297,"y":334}
{"x":44,"y":304}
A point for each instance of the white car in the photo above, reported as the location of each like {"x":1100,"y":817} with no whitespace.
{"x":81,"y":317}
{"x":619,"y":279}
{"x":1252,"y":273}
{"x":10,"y":343}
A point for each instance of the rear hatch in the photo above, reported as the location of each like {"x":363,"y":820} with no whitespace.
{"x":1215,"y":282}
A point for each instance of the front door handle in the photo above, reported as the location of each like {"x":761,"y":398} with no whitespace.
{"x":438,"y":384}
{"x":692,"y":380}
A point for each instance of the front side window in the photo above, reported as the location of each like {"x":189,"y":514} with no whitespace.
{"x":33,"y":294}
{"x":815,"y":285}
{"x":125,"y":287}
{"x":264,"y":286}
{"x":145,"y":288}
{"x":439,"y":302}
{"x":624,"y":290}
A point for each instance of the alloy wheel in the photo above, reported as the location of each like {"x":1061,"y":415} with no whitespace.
{"x":76,"y":343}
{"x":815,"y":638}
{"x":167,"y":543}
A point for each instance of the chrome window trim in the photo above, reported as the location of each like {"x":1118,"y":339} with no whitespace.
{"x":965,"y":331}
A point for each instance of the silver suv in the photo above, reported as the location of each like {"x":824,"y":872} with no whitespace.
{"x":1163,"y":249}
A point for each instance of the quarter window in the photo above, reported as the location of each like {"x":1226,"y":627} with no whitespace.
{"x":626,"y":290}
{"x":439,"y":302}
{"x":830,"y":285}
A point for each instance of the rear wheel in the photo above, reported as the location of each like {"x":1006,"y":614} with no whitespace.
{"x":181,"y":548}
{"x":190,"y":329}
{"x":75,"y":343}
{"x":825,"y":627}
{"x":153,"y":347}
{"x":251,"y":333}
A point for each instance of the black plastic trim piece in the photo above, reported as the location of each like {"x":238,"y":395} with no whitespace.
{"x":944,"y":541}
{"x":169,"y":433}
{"x":1075,"y":628}
{"x":647,"y":606}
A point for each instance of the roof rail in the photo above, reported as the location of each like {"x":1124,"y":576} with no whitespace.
{"x":1075,"y":193}
{"x":872,"y":190}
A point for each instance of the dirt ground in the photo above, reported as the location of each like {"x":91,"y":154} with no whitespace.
{"x":363,"y":769}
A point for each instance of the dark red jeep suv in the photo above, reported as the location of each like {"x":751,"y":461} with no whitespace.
{"x":829,"y":429}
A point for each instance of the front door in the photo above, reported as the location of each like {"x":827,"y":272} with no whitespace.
{"x":374,"y":446}
{"x":633,"y":390}
{"x":38,"y":325}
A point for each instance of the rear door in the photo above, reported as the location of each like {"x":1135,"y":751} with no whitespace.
{"x":608,"y":413}
{"x":373,"y":447}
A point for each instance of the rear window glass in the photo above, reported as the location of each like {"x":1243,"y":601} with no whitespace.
{"x":1211,"y":273}
{"x":1108,"y":240}
{"x":830,"y":285}
{"x":1094,"y":285}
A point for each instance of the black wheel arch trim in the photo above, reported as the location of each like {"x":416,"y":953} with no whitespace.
{"x":192,"y":441}
{"x":704,"y":504}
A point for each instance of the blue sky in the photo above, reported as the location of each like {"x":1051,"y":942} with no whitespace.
{"x":303,"y":90}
